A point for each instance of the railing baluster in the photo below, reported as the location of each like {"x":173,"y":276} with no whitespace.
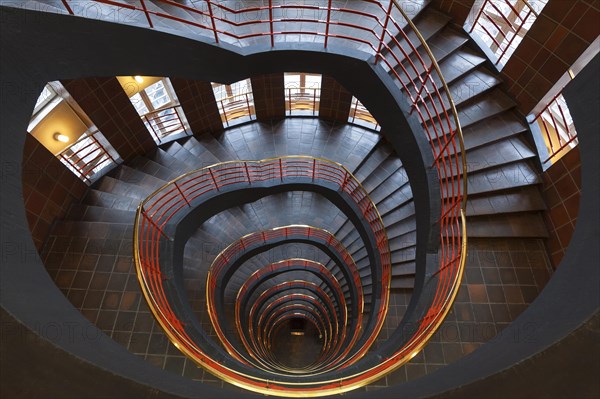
{"x":327,"y":23}
{"x":382,"y":38}
{"x":146,"y":13}
{"x":212,"y":20}
{"x":68,"y":7}
{"x":271,"y":23}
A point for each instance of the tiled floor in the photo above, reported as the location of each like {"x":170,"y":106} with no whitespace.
{"x":502,"y":277}
{"x":90,"y":258}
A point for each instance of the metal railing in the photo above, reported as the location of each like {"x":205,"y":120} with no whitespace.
{"x":233,"y":251}
{"x":165,"y":122}
{"x":176,"y":198}
{"x":558,"y":129}
{"x":502,"y":24}
{"x":235,"y":107}
{"x":302,"y":100}
{"x":391,"y":37}
{"x":86,"y":157}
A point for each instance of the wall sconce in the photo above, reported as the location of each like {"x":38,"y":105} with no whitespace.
{"x":60,"y":137}
{"x":138,"y":79}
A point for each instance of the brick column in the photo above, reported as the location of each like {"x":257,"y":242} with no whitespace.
{"x":199,"y":105}
{"x":49,"y":188}
{"x":269,"y":96}
{"x":458,"y":9}
{"x":562,"y":189}
{"x":107,"y":105}
{"x":561,"y":33}
{"x":335,"y":100}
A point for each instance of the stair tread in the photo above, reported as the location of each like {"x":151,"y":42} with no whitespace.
{"x":524,"y":199}
{"x":91,"y":213}
{"x":522,"y":224}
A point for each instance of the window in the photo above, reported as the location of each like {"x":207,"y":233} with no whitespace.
{"x":235,"y":102}
{"x":159,"y":109}
{"x":500,"y":25}
{"x":61,"y":126}
{"x":361,"y":116}
{"x":302,"y":93}
{"x":551,"y":123}
{"x":89,"y":156}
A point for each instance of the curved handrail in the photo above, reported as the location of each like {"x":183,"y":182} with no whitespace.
{"x":167,"y":203}
{"x":411,"y":62}
{"x":225,"y":257}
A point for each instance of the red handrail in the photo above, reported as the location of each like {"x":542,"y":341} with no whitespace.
{"x":261,"y":238}
{"x":410,"y":62}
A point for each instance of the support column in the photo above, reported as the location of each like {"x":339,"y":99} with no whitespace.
{"x":49,"y":188}
{"x":269,"y":96}
{"x":198,"y":102}
{"x":105,"y":102}
{"x":335,"y":100}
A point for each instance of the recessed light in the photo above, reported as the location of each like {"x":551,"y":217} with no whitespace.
{"x":138,"y":79}
{"x":61,"y":137}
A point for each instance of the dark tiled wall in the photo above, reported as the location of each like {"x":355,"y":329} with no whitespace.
{"x":457,"y":9}
{"x":269,"y":96}
{"x":558,"y":37}
{"x":562,"y":188}
{"x":48,"y":189}
{"x":107,"y":105}
{"x":199,"y":106}
{"x":335,"y":100}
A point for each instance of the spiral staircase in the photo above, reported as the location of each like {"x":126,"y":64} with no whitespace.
{"x":354,"y":314}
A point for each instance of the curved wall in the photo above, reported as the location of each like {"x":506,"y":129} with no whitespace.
{"x":37,"y":48}
{"x":41,"y":47}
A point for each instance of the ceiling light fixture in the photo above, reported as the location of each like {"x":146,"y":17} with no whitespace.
{"x":138,"y":79}
{"x":60,"y":137}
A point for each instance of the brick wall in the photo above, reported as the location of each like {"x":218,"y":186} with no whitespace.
{"x":269,"y":96}
{"x":107,"y":105}
{"x":48,"y":189}
{"x":335,"y":100}
{"x":562,"y":188}
{"x":563,"y":30}
{"x":199,"y":106}
{"x":457,"y":9}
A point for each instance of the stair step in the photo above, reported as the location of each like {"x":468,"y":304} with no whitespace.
{"x":492,"y":130}
{"x":403,"y":269}
{"x":397,"y":200}
{"x":153,"y":168}
{"x":465,"y":89}
{"x":194,"y":147}
{"x":512,"y":149}
{"x":90,"y":213}
{"x":403,"y":255}
{"x":517,"y":225}
{"x":121,"y":188}
{"x":136,"y":177}
{"x":379,"y":175}
{"x":109,"y":200}
{"x":393,"y":183}
{"x":489,"y":104}
{"x":179,"y":152}
{"x":382,"y":151}
{"x":403,"y":282}
{"x":168,"y":161}
{"x":503,"y":177}
{"x":523,"y":199}
{"x":427,"y":23}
